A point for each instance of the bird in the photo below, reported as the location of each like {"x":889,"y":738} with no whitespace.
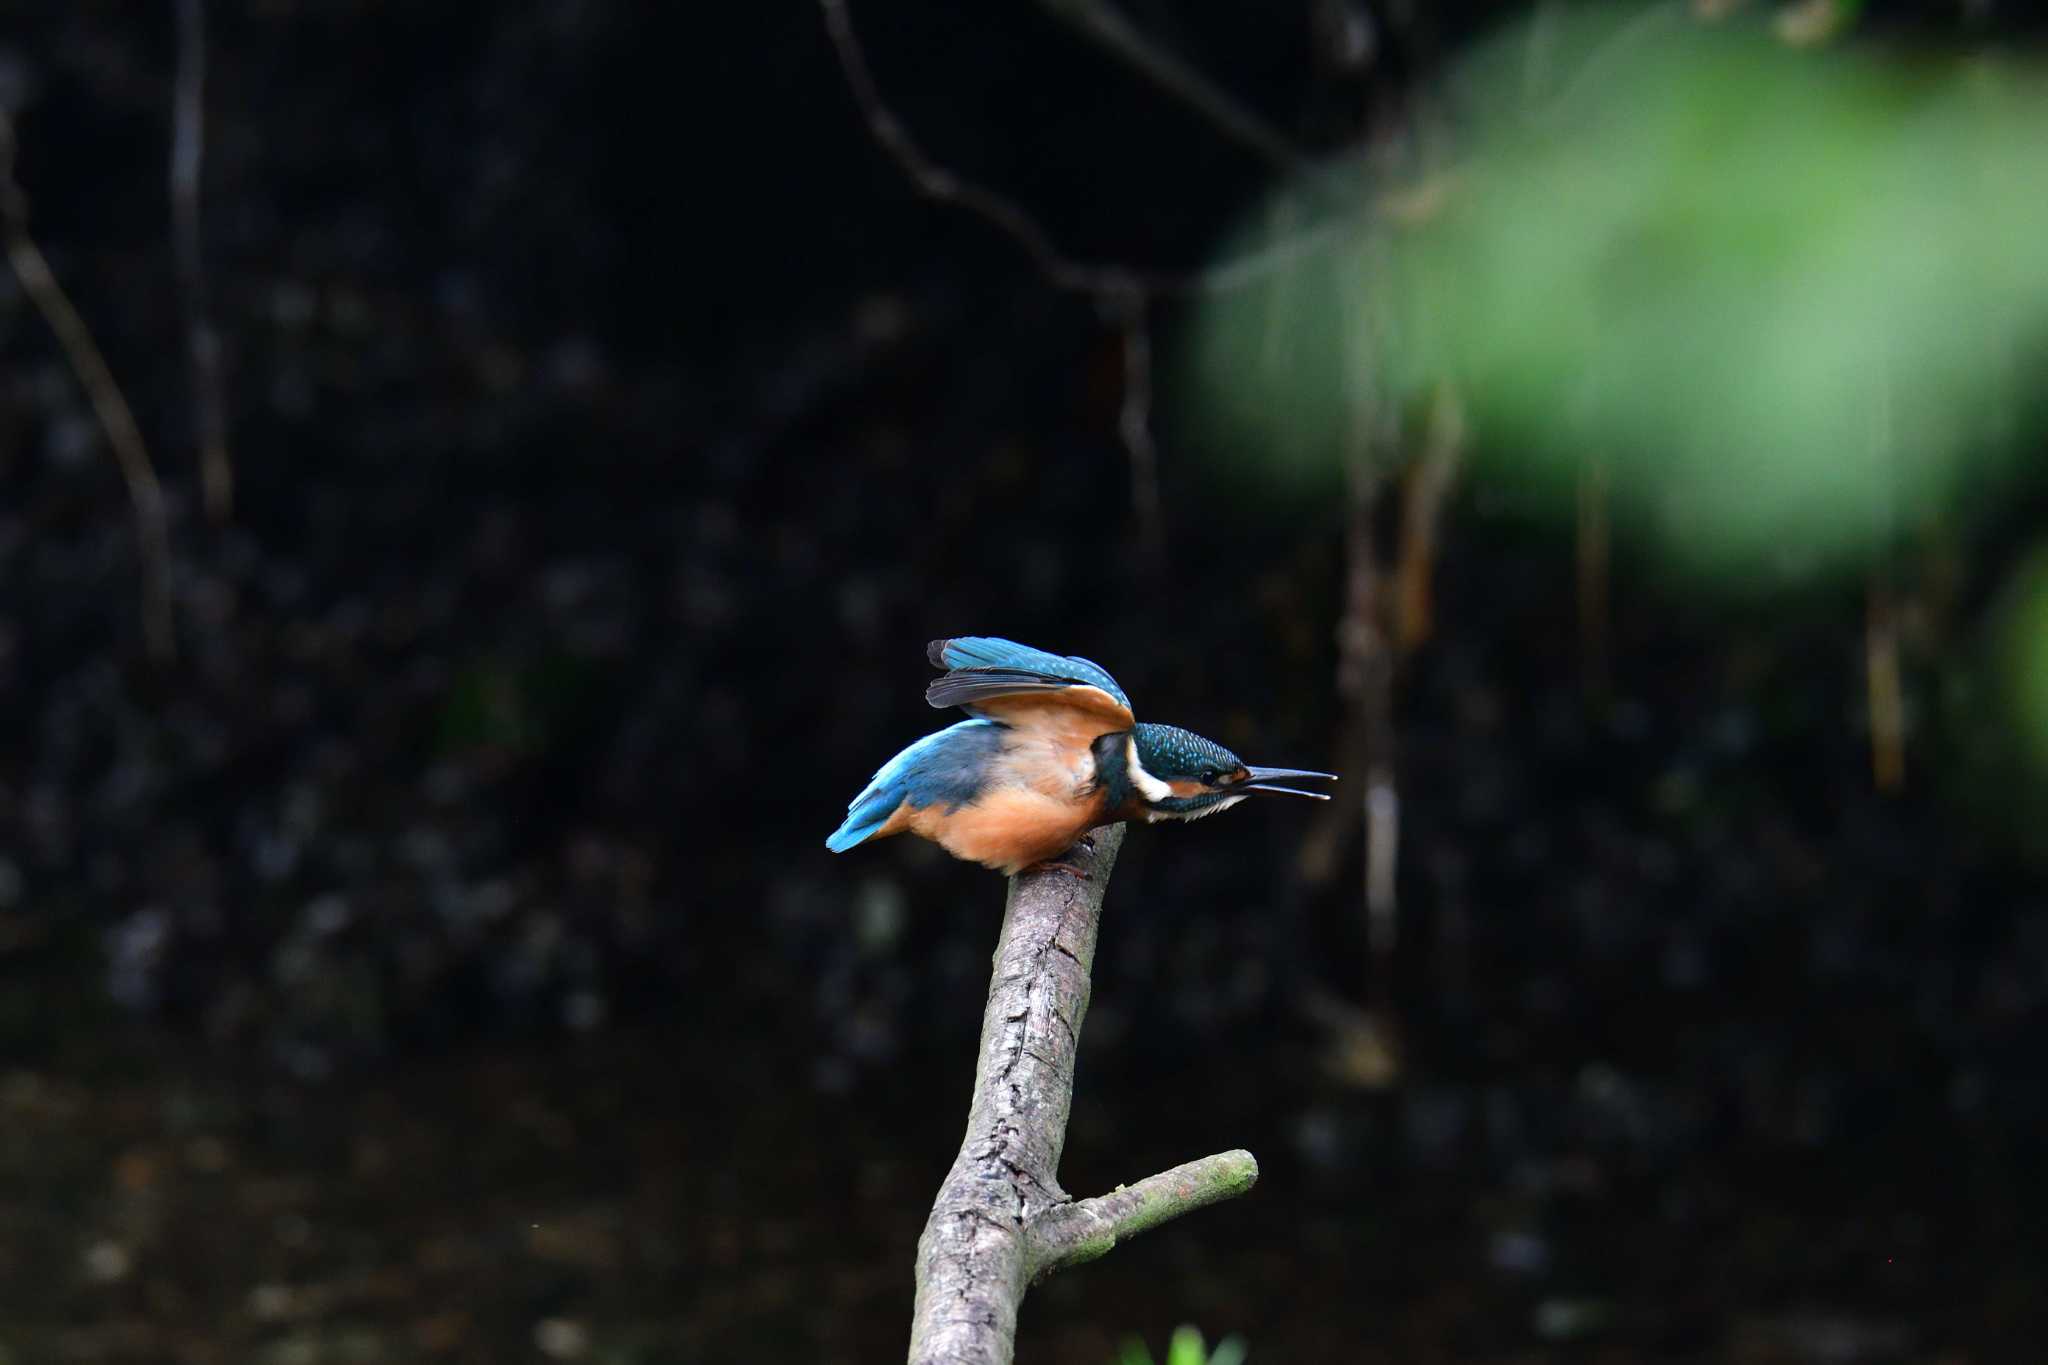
{"x":1050,"y":752}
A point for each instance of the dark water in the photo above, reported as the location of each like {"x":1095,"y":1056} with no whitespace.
{"x":695,"y":1196}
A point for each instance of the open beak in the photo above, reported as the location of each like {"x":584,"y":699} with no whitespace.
{"x":1261,"y":777}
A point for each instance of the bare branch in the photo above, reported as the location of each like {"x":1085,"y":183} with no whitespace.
{"x":145,"y":494}
{"x":1005,"y":214}
{"x":1134,"y":424}
{"x":1116,"y":33}
{"x":1091,"y":1228}
{"x":1366,"y":680}
{"x":1425,"y":487}
{"x":1883,"y":679}
{"x":1106,"y":281}
{"x":1884,"y":685}
{"x":1594,"y":552}
{"x":188,"y":143}
{"x":1001,"y":1218}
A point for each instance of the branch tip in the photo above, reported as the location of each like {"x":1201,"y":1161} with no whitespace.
{"x":1070,"y":1234}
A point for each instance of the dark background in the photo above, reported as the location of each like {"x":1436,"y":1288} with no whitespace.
{"x":439,"y":959}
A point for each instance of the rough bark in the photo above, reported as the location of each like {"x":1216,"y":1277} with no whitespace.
{"x":1001,"y":1220}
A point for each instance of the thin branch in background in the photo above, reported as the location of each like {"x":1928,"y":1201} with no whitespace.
{"x":1134,"y":424}
{"x":1885,"y":686}
{"x":1367,"y":660}
{"x":1427,"y":485}
{"x":1364,"y":1047}
{"x":1010,"y":218}
{"x":1367,"y":678}
{"x":145,"y":494}
{"x":1001,"y":1222}
{"x":188,"y":143}
{"x":1115,"y":33}
{"x":1005,"y":214}
{"x":1595,"y":552}
{"x":1363,"y":1044}
{"x":1883,"y":681}
{"x":1119,"y":291}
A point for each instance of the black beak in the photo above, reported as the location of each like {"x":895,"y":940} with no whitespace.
{"x":1261,"y":776}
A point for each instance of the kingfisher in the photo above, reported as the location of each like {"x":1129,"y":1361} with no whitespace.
{"x":1051,"y":751}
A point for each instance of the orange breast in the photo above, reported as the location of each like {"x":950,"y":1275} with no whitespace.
{"x":1009,"y":829}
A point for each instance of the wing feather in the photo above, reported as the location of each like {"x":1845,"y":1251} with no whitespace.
{"x":1009,"y":695}
{"x":987,"y":653}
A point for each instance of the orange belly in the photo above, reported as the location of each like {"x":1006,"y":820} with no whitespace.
{"x":1009,"y":829}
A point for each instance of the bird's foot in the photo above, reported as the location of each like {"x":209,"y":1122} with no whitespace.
{"x":1070,"y":861}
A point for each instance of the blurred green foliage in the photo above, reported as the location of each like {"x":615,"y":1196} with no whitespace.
{"x":1792,"y":299}
{"x":1186,"y":1348}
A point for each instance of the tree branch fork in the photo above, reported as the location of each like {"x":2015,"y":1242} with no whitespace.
{"x":1001,"y":1222}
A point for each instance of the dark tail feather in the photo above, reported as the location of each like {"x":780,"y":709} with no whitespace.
{"x":965,"y":687}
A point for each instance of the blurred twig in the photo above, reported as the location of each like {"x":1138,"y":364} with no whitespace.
{"x":1112,"y":31}
{"x":1366,"y":650}
{"x":1001,"y":1221}
{"x":1424,"y":488}
{"x":145,"y":494}
{"x":188,"y":143}
{"x":1134,"y":424}
{"x":1883,"y":682}
{"x":1000,"y":211}
{"x":1366,"y":677}
{"x":1363,"y":1043}
{"x":1010,"y":218}
{"x":1015,"y":222}
{"x":1595,"y":554}
{"x":1121,"y":292}
{"x":1886,"y":689}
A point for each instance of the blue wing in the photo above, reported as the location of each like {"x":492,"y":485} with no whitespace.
{"x":985,"y":651}
{"x":949,"y":768}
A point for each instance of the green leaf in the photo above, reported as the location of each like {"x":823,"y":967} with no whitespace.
{"x":1793,"y":300}
{"x":1134,"y":1352}
{"x":1187,"y":1347}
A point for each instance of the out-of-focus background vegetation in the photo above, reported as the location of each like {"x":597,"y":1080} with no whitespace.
{"x":1621,"y":455}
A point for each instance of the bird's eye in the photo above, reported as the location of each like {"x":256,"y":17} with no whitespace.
{"x":1209,"y":776}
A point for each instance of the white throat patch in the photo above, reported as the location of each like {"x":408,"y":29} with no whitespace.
{"x":1149,"y":787}
{"x":1225,"y":804}
{"x":1155,"y":816}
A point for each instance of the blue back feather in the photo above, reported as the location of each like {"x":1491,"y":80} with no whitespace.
{"x":985,"y":651}
{"x":1169,"y":751}
{"x":945,"y":769}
